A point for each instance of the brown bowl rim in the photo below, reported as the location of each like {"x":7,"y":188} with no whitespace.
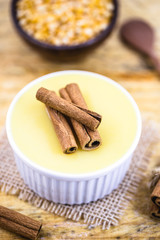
{"x":100,"y":37}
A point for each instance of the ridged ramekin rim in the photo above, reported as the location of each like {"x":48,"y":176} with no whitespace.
{"x":70,"y":176}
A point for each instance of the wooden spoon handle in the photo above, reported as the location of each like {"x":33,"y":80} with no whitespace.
{"x":155,"y":61}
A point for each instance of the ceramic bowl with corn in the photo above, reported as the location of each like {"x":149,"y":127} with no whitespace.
{"x":63,"y":24}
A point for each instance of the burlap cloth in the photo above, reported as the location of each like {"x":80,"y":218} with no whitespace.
{"x":105,"y":212}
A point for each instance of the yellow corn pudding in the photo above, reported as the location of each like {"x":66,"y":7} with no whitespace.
{"x":34,"y":135}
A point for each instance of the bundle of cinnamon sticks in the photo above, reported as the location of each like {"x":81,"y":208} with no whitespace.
{"x":155,"y":194}
{"x":18,"y":223}
{"x":69,"y":113}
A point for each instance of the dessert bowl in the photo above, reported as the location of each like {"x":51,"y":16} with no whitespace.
{"x":101,"y":35}
{"x":83,"y":176}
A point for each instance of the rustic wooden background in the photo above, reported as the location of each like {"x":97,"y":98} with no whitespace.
{"x":20,"y":63}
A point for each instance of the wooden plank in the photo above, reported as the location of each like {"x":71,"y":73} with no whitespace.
{"x":21,"y":63}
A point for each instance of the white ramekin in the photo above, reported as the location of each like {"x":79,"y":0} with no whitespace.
{"x":69,"y":188}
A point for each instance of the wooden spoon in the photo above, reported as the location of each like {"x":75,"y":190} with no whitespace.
{"x":140,"y":35}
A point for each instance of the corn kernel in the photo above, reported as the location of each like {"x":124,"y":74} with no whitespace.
{"x":64,"y":22}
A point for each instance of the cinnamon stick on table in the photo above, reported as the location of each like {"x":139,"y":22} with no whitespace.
{"x":19,"y":224}
{"x":63,"y":131}
{"x":88,"y":139}
{"x":155,"y":196}
{"x":84,"y":116}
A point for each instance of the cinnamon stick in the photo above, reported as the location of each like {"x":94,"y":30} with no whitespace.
{"x":155,"y":195}
{"x":155,"y":211}
{"x":77,"y":98}
{"x":88,"y":139}
{"x":63,"y":131}
{"x":19,"y":224}
{"x":84,"y":116}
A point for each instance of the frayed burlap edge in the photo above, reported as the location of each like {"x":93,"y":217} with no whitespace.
{"x":106,"y":211}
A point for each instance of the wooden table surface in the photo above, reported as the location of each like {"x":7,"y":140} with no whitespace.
{"x":20,"y":63}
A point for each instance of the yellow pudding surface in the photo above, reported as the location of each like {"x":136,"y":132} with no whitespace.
{"x":33,"y":132}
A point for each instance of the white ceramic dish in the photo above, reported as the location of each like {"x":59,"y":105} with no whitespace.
{"x":72,"y":188}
